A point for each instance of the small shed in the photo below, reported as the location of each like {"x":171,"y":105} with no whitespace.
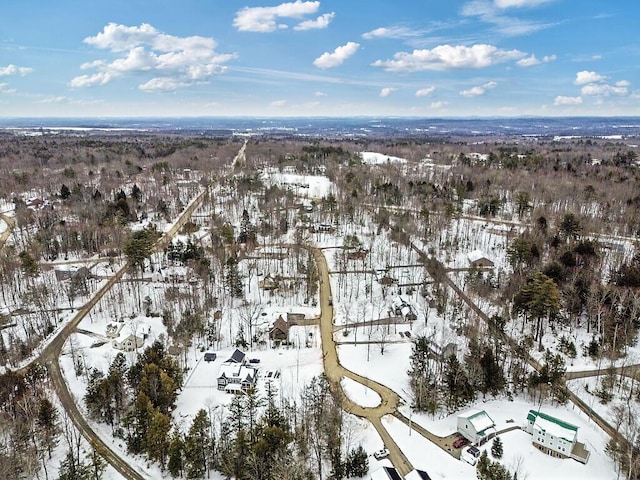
{"x":210,"y":357}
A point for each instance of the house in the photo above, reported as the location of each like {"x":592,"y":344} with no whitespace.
{"x":71,"y":272}
{"x":113,"y":329}
{"x":387,"y":280}
{"x":238,"y":356}
{"x":401,"y":308}
{"x":268,"y":283}
{"x":477,"y":259}
{"x":359,"y":254}
{"x":417,"y":475}
{"x":236,"y":375}
{"x":476,"y":425}
{"x":385,"y":473}
{"x":127,"y":340}
{"x":279,"y":329}
{"x":555,"y":437}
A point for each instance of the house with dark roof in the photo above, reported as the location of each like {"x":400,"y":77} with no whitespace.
{"x":555,"y":437}
{"x":238,"y":357}
{"x":280,"y":329}
{"x":478,"y":259}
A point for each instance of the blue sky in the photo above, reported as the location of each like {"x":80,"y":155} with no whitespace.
{"x":319,"y":58}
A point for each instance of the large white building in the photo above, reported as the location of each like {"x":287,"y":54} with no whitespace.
{"x":555,"y":437}
{"x":476,"y":425}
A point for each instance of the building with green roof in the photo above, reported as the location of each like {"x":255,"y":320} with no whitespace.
{"x":555,"y":437}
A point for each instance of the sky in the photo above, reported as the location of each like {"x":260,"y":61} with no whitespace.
{"x":413,"y":58}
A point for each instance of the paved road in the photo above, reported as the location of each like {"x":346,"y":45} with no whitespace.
{"x":51,"y":352}
{"x":11,"y":224}
{"x":335,"y":372}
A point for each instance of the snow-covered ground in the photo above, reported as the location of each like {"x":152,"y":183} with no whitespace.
{"x":374,"y":158}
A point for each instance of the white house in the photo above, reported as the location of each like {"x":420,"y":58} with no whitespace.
{"x":555,"y":437}
{"x":236,"y":375}
{"x":128,"y":341}
{"x":476,"y":425}
{"x":417,"y":475}
{"x":385,"y":473}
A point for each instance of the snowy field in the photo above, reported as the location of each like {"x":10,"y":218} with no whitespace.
{"x":374,"y":158}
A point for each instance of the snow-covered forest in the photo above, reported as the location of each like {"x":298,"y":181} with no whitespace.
{"x":281,"y":308}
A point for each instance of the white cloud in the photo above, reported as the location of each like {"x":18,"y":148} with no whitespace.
{"x":603,"y":90}
{"x":385,"y":92}
{"x":493,"y":13}
{"x":5,"y":90}
{"x":319,"y":94}
{"x":162,"y":85}
{"x":391,"y":32}
{"x":11,"y":70}
{"x":528,"y":61}
{"x":265,"y":19}
{"x":438,"y":105}
{"x":562,"y":100}
{"x":623,"y":83}
{"x":518,"y":3}
{"x":584,"y":77}
{"x":278,"y":103}
{"x":173,"y":62}
{"x":533,"y":60}
{"x":100,"y":78}
{"x":479,"y":90}
{"x":321,"y":22}
{"x":339,"y":55}
{"x":56,"y":99}
{"x":446,"y":57}
{"x":425,"y":92}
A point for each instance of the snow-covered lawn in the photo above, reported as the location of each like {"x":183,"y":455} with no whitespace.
{"x":360,"y":394}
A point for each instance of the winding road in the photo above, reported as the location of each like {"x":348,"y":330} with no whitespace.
{"x":49,"y":356}
{"x":6,"y":233}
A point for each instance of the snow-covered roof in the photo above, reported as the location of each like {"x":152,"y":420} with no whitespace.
{"x":385,"y":473}
{"x":127,"y":331}
{"x":476,"y":255}
{"x":480,"y":420}
{"x":417,"y":475}
{"x":234,"y":370}
{"x":553,"y":426}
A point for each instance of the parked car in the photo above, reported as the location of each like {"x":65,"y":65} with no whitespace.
{"x":380,"y":454}
{"x":470,"y":455}
{"x":460,"y":442}
{"x":209,"y":357}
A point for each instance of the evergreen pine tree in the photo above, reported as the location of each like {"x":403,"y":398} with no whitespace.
{"x":196,"y":446}
{"x":496,"y":448}
{"x":176,"y":454}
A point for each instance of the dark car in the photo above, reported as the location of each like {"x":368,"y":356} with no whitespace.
{"x":460,"y":442}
